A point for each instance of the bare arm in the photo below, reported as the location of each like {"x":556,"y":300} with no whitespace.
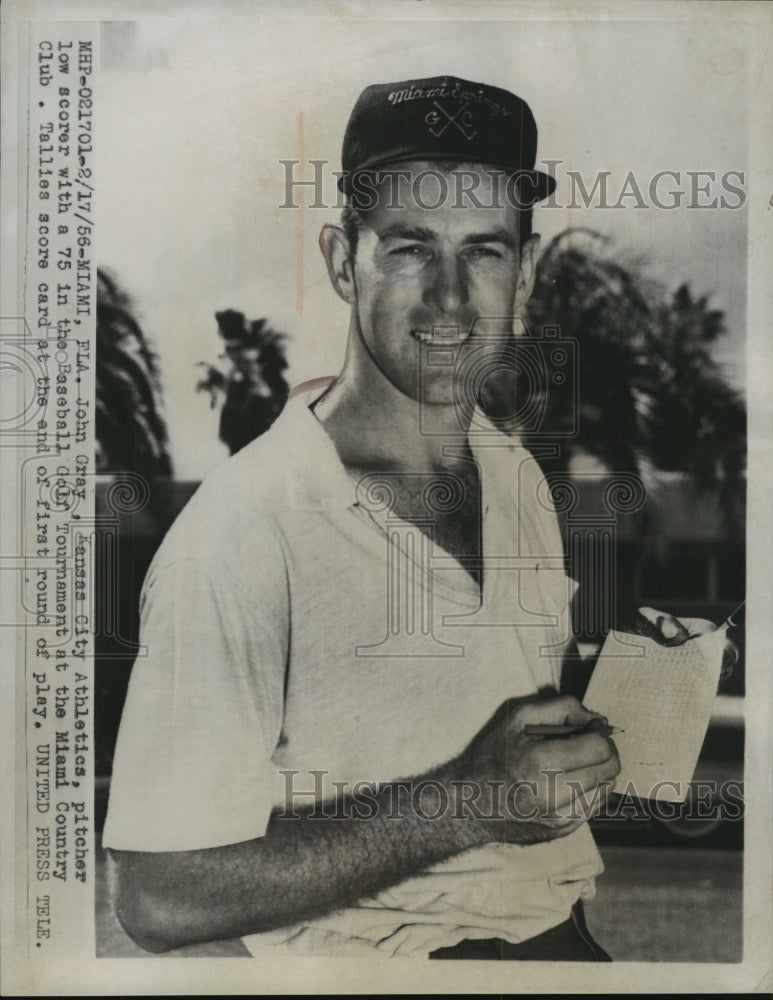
{"x":307,"y":866}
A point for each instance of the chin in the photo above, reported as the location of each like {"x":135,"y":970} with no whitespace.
{"x":437,"y":395}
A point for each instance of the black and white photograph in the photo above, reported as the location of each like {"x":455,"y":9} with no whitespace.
{"x":385,"y":452}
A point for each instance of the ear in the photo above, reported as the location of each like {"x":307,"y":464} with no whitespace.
{"x":338,"y":257}
{"x":527,"y":272}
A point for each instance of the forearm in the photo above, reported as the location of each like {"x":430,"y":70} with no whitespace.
{"x":305,"y":866}
{"x":508,"y":785}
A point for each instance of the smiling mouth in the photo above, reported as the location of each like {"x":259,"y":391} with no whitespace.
{"x":442,"y":336}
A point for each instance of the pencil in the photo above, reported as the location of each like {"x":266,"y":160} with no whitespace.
{"x":548,"y":729}
{"x":738,"y":617}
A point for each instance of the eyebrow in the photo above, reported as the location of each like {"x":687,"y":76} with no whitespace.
{"x":398,"y":230}
{"x":497,"y":235}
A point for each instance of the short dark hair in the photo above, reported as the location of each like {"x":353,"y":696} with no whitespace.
{"x":352,"y":222}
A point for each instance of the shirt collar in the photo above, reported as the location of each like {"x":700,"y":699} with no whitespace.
{"x":317,"y":478}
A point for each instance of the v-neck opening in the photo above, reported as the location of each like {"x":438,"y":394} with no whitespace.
{"x":444,"y":564}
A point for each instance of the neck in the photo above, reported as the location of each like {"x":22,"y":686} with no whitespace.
{"x":374,"y":426}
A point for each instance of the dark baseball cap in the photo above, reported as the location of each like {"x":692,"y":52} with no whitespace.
{"x":443,"y":118}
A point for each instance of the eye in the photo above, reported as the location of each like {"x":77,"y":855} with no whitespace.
{"x":483,"y":252}
{"x":411,"y":250}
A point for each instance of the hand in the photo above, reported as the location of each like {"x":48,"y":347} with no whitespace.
{"x":670,"y":631}
{"x":551,"y":785}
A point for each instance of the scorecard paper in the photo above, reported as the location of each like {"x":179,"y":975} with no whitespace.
{"x":661,"y":697}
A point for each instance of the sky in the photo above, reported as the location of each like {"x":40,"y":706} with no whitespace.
{"x":196,"y":115}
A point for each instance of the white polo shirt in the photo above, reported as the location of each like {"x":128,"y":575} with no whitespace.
{"x":292,"y":623}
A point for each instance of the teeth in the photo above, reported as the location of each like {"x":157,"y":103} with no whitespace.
{"x":445,"y":336}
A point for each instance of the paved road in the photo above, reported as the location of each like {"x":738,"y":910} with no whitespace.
{"x":669,"y":904}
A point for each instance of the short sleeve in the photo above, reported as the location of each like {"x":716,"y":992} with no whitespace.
{"x":203,"y":713}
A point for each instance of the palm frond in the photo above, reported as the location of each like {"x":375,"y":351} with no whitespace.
{"x":651,"y":395}
{"x":130,"y":428}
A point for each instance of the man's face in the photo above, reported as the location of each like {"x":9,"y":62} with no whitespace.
{"x":434,"y":285}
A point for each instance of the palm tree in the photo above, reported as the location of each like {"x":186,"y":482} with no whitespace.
{"x":254,"y":387}
{"x":131,"y":432}
{"x":699,"y":423}
{"x":645,"y":392}
{"x":644,"y":396}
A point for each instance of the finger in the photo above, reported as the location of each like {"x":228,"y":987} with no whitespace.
{"x":550,"y":774}
{"x":700,"y":627}
{"x":569,"y":754}
{"x":730,"y":657}
{"x":583,"y":793}
{"x":665,"y":628}
{"x":557,"y":795}
{"x":590,"y":797}
{"x":563,"y":710}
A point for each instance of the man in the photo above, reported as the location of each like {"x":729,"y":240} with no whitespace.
{"x":353,"y":623}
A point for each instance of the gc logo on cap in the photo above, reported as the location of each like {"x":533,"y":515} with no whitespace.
{"x":442,"y":119}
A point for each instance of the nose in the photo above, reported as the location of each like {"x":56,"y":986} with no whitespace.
{"x":446,"y":289}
